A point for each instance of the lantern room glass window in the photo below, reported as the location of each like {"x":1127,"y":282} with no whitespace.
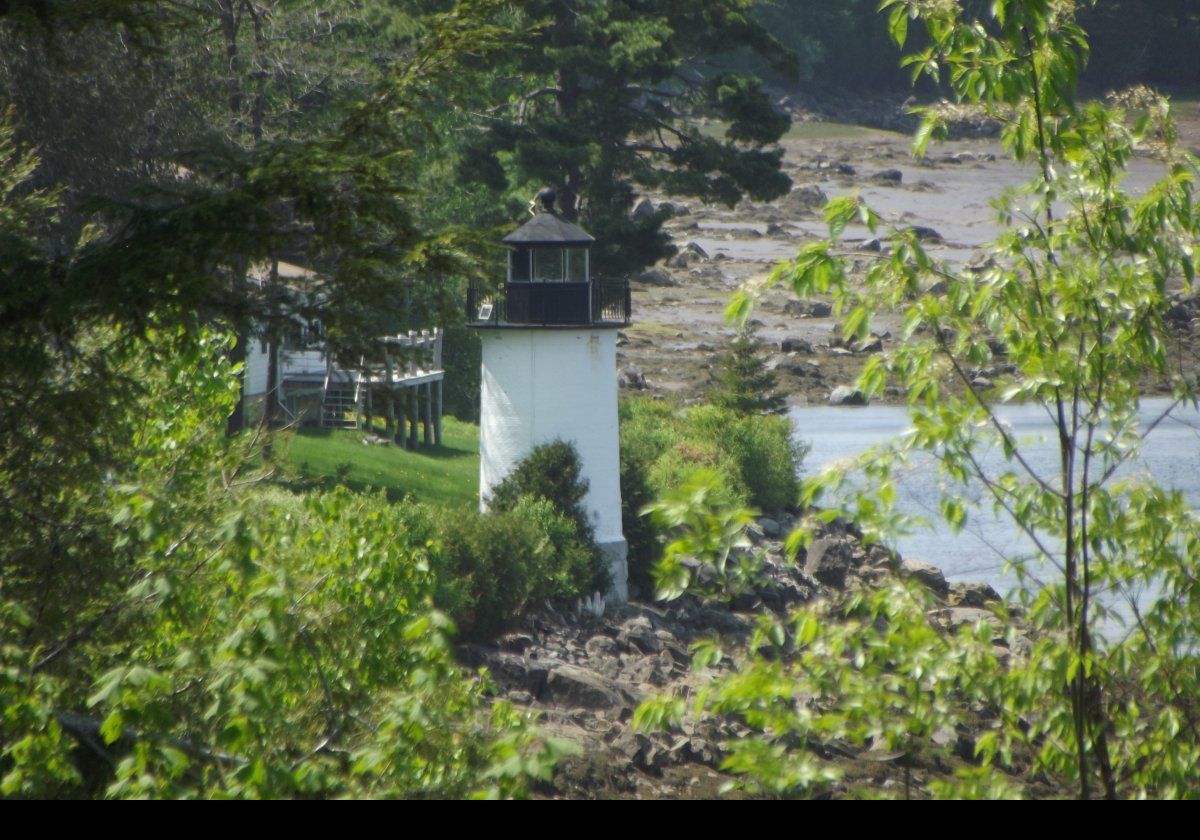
{"x":548,"y":265}
{"x":520,"y":261}
{"x":577,"y":264}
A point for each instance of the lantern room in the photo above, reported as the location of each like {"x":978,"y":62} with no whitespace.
{"x":548,"y":281}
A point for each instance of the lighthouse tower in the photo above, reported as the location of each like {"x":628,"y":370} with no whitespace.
{"x":549,"y":340}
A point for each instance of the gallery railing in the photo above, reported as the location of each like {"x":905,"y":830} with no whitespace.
{"x":599,"y":303}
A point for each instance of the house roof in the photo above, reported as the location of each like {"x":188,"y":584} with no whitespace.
{"x":548,"y":228}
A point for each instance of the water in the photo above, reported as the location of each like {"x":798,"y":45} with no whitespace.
{"x":1170,"y":456}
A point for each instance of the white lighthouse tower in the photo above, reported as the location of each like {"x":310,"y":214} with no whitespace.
{"x":550,"y":367}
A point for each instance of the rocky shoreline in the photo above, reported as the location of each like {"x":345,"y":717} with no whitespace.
{"x":585,"y":673}
{"x":678,"y":325}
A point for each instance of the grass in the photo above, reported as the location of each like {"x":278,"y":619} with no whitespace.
{"x":446,"y":475}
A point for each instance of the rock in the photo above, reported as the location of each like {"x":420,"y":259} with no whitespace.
{"x":808,"y":308}
{"x":804,"y":198}
{"x":656,"y":277}
{"x":681,"y":260}
{"x":981,"y":383}
{"x":888,"y":177}
{"x":775,"y":229}
{"x":638,"y":633}
{"x":927,"y":235}
{"x":769,"y":527}
{"x":631,"y":376}
{"x":696,"y":250}
{"x":972,"y":594}
{"x":829,"y":561}
{"x":956,"y":617}
{"x":873,"y":344}
{"x":846,"y":169}
{"x":847,"y":395}
{"x":515,"y":672}
{"x":600,"y":646}
{"x":874,"y":245}
{"x":926,"y":574}
{"x":643,"y":210}
{"x":578,"y":688}
{"x":796,"y":345}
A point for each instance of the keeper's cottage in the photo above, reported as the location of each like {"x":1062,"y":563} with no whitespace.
{"x":549,"y":339}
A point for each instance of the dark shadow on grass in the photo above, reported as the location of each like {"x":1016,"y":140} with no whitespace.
{"x":328,"y":483}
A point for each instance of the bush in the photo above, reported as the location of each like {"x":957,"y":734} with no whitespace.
{"x":534,"y":545}
{"x":753,"y":458}
{"x":765,"y":455}
{"x":552,"y":472}
{"x":490,"y":568}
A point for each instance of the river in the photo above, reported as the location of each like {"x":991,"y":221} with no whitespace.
{"x":1171,"y":456}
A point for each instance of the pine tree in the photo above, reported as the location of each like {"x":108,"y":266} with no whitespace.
{"x":742,"y":381}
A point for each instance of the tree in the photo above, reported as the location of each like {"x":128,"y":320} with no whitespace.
{"x":599,"y":104}
{"x":184,"y":633}
{"x":742,"y":382}
{"x":1076,"y":301}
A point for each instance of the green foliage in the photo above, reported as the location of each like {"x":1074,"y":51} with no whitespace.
{"x":1074,"y":301}
{"x":663,"y":448}
{"x":705,"y":542}
{"x":237,"y":643}
{"x":551,"y":471}
{"x":741,"y":381}
{"x":492,"y":568}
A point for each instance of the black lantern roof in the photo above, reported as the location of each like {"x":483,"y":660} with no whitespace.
{"x":548,"y":228}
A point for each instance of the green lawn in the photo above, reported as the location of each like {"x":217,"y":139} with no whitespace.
{"x":446,"y":475}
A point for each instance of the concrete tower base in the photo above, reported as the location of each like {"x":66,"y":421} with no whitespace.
{"x":547,"y":384}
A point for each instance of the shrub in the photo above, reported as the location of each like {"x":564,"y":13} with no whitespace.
{"x":766,"y":456}
{"x":753,"y":458}
{"x":552,"y":472}
{"x":535,"y":544}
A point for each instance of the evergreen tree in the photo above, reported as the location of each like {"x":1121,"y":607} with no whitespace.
{"x":742,"y":381}
{"x":600,"y":104}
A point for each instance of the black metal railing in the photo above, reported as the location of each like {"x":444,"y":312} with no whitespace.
{"x":550,"y":304}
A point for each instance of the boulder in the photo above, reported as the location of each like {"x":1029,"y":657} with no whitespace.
{"x":927,"y":235}
{"x":847,"y":395}
{"x":829,"y":561}
{"x":579,"y":688}
{"x":656,"y":277}
{"x":972,"y":594}
{"x":796,"y":345}
{"x":808,"y":308}
{"x":805,"y":198}
{"x":631,"y":376}
{"x":927,"y":575}
{"x":644,"y":209}
{"x":888,"y":177}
